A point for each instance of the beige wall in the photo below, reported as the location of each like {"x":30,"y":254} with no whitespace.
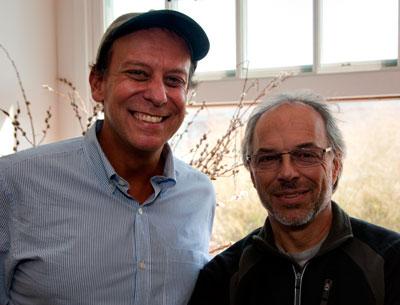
{"x":80,"y":26}
{"x":350,"y":84}
{"x":28,"y":31}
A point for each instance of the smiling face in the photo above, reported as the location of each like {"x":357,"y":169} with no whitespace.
{"x":143,"y":91}
{"x":293,"y":196}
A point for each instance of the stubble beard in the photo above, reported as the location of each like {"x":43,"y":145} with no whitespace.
{"x":298,"y":221}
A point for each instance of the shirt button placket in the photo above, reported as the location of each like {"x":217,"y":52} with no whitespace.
{"x":143,"y":256}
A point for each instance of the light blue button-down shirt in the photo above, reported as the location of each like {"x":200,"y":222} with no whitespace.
{"x":71,"y":234}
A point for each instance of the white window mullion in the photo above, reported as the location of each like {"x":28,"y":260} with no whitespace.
{"x":317,"y":15}
{"x":398,"y":35}
{"x":241,"y":38}
{"x":171,"y":4}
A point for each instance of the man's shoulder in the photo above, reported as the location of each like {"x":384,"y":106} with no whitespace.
{"x":379,"y":238}
{"x":186,"y":171}
{"x":43,"y":153}
{"x":228,"y":260}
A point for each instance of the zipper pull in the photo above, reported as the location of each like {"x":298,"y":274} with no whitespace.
{"x":297,"y":287}
{"x":325,"y":291}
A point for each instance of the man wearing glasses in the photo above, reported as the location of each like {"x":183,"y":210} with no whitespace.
{"x":309,"y":251}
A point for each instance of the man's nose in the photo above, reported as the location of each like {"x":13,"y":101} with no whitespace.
{"x":288,"y":169}
{"x":156,"y":92}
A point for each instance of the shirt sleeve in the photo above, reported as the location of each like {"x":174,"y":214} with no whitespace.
{"x":4,"y":239}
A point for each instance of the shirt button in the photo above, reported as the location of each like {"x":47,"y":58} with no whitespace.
{"x":121,"y":182}
{"x":140,"y":211}
{"x":142,"y":265}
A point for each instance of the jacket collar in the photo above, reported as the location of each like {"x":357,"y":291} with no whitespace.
{"x":263,"y":242}
{"x":340,"y":231}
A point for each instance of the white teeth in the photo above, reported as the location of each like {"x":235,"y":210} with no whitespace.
{"x":148,"y":118}
{"x":291,"y":195}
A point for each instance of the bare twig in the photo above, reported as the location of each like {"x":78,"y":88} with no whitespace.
{"x":212,"y":159}
{"x":220,"y":248}
{"x":178,"y":137}
{"x":219,"y":159}
{"x":26,"y":101}
{"x":84,"y":116}
{"x":47,"y":125}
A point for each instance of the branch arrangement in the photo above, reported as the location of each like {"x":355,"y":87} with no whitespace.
{"x":19,"y":130}
{"x":84,"y":115}
{"x":222,"y":158}
{"x":219,"y":158}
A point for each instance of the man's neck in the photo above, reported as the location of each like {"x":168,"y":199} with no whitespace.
{"x":295,"y":240}
{"x":136,"y":167}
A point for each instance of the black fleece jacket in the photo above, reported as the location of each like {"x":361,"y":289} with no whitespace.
{"x":358,"y":264}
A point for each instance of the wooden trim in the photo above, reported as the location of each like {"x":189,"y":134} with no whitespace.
{"x":329,"y":99}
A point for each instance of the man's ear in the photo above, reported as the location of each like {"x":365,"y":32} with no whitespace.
{"x":96,"y":81}
{"x":252,"y":177}
{"x":337,"y":168}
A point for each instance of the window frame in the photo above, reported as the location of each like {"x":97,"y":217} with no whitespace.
{"x":241,"y":71}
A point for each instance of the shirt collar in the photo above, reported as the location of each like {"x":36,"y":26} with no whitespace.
{"x":169,"y":167}
{"x":100,"y":160}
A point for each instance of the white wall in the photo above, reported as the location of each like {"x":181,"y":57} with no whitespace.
{"x":28,"y":31}
{"x":80,"y":26}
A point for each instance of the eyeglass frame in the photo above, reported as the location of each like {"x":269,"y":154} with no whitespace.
{"x":249,"y":158}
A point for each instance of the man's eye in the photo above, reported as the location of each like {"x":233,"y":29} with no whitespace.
{"x":139,"y":75}
{"x":305,"y":155}
{"x":173,"y":81}
{"x":268,"y":158}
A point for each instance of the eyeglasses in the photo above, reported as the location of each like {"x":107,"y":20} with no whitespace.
{"x":301,"y":157}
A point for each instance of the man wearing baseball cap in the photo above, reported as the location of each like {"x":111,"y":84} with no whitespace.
{"x":113,"y":217}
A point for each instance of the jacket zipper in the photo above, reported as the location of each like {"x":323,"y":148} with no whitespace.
{"x":325,"y":292}
{"x":298,"y":278}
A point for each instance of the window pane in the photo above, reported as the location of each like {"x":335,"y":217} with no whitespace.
{"x":279,"y":33}
{"x":359,"y":30}
{"x":119,"y":7}
{"x":218,"y":20}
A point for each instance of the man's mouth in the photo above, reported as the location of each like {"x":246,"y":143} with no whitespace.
{"x":291,"y":194}
{"x":147,"y":117}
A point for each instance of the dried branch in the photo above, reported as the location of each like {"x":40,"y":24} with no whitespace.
{"x":178,"y":137}
{"x":26,"y":101}
{"x":47,"y":125}
{"x":220,"y":248}
{"x":212,"y":159}
{"x":219,"y":159}
{"x":5,"y":112}
{"x":85,"y":116}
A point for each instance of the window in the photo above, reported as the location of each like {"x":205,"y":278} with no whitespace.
{"x":263,"y":37}
{"x":279,"y":33}
{"x":115,"y":8}
{"x":367,"y":31}
{"x":207,"y":13}
{"x":218,"y":19}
